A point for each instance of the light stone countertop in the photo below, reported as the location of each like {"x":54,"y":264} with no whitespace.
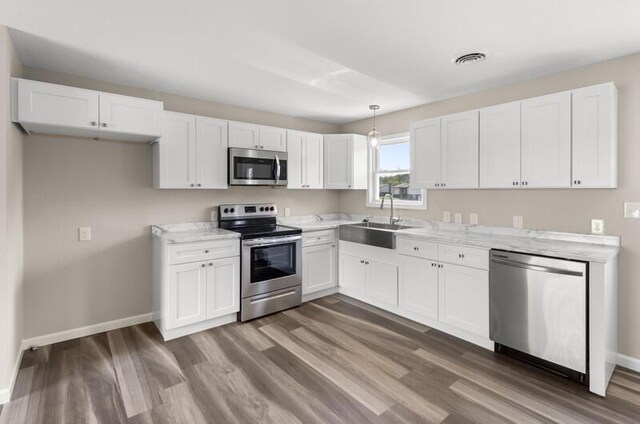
{"x":192,"y":232}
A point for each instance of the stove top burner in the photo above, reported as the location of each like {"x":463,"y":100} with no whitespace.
{"x":247,"y":233}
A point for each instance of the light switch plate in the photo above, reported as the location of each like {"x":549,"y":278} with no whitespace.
{"x":597,"y":226}
{"x":84,"y":233}
{"x":473,"y":218}
{"x":518,"y":222}
{"x":446,"y":216}
{"x":632,"y":210}
{"x":287,"y":212}
{"x":457,"y":218}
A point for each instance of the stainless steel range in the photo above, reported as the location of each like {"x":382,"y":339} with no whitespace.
{"x":271,"y":268}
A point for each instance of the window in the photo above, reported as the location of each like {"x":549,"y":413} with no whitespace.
{"x":389,"y":173}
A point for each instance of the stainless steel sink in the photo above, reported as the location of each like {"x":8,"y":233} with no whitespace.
{"x":371,"y":233}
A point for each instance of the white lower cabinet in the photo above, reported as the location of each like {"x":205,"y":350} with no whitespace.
{"x":196,"y":285}
{"x":381,"y":282}
{"x":352,"y":273}
{"x":418,"y":288}
{"x":463,"y":295}
{"x":319,"y":270}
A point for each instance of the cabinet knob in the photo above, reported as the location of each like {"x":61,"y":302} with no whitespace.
{"x":104,"y":124}
{"x":203,"y":265}
{"x":256,"y":146}
{"x":433,"y":264}
{"x":199,"y":185}
{"x":443,"y":185}
{"x":210,"y":263}
{"x":93,"y":123}
{"x":206,"y":251}
{"x":361,"y":262}
{"x":579,"y":182}
{"x":262,"y":147}
{"x":349,"y":186}
{"x":437,"y":185}
{"x":192,"y":185}
{"x":366,"y":263}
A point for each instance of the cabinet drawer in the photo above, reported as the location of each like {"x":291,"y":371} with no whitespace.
{"x":464,"y":255}
{"x":417,"y":248}
{"x":313,"y":238}
{"x":203,"y":251}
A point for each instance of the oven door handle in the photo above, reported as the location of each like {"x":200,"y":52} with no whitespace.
{"x":277,"y":176}
{"x":270,"y":241}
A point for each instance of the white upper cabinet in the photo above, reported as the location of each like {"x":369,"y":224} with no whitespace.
{"x":211,"y":152}
{"x":546,"y":141}
{"x":594,"y":127}
{"x":131,"y":115}
{"x":51,"y":104}
{"x":252,"y":136}
{"x":425,"y":154}
{"x":305,"y":160}
{"x":175,"y":152}
{"x":244,"y":136}
{"x":500,"y":146}
{"x":272,"y":138}
{"x":460,"y":150}
{"x":345,"y":161}
{"x":192,"y":152}
{"x":58,"y":109}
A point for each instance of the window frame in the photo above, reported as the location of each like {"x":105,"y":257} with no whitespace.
{"x":373,"y":199}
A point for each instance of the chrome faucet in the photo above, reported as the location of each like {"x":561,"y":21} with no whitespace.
{"x":392,"y":219}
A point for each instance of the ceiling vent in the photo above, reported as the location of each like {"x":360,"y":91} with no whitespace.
{"x":470,"y":58}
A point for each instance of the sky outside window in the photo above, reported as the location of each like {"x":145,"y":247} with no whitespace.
{"x":394,"y":156}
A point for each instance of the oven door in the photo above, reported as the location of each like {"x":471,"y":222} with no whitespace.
{"x":257,"y":167}
{"x":270,"y":264}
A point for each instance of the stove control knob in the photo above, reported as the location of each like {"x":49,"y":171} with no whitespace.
{"x":261,"y":208}
{"x":271,"y":208}
{"x":226,"y":210}
{"x":233,"y":210}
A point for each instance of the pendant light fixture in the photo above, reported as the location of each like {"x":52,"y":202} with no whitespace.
{"x":374,"y":135}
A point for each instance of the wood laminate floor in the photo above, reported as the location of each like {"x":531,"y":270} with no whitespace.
{"x":333,"y":360}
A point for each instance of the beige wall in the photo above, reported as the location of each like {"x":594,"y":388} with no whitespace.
{"x":561,"y":210}
{"x":73,"y":182}
{"x":11,"y":219}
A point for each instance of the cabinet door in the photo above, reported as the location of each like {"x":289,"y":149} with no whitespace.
{"x":464,"y":298}
{"x":382,"y":282}
{"x":500,"y":146}
{"x":186,"y":294}
{"x":211,"y":153}
{"x":44,"y":103}
{"x":426,"y":147}
{"x":272,"y":138}
{"x":546,"y":141}
{"x":352,"y":273}
{"x":418,"y":286}
{"x":460,"y":150}
{"x":244,"y":136}
{"x":318,"y":268}
{"x":130,"y":115}
{"x":176,"y":150}
{"x":594,"y":126}
{"x":313,"y":160}
{"x":338,"y":161}
{"x":223,"y":287}
{"x":295,"y":159}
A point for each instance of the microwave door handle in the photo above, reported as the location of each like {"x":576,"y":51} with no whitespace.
{"x":277,"y":169}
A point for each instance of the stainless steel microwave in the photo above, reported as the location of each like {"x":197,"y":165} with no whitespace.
{"x":257,"y":167}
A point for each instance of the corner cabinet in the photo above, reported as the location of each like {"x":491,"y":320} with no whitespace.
{"x":305,"y":153}
{"x":192,"y":153}
{"x":57,"y":109}
{"x":195,"y":285}
{"x":345,"y":162}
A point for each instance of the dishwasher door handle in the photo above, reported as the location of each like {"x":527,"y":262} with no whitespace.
{"x":540,"y":268}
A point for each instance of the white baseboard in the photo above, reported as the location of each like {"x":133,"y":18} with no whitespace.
{"x":5,"y":394}
{"x":89,"y":330}
{"x":629,"y":362}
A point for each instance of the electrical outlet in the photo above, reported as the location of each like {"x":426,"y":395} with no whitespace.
{"x":473,"y":218}
{"x":457,"y":218}
{"x":597,"y":226}
{"x":287,"y":212}
{"x":446,"y":216}
{"x":632,"y":210}
{"x":518,"y":222}
{"x":84,"y":233}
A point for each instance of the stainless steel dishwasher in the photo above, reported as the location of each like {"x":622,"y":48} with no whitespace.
{"x":538,"y":311}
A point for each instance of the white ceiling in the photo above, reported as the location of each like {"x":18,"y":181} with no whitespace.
{"x":322,"y":59}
